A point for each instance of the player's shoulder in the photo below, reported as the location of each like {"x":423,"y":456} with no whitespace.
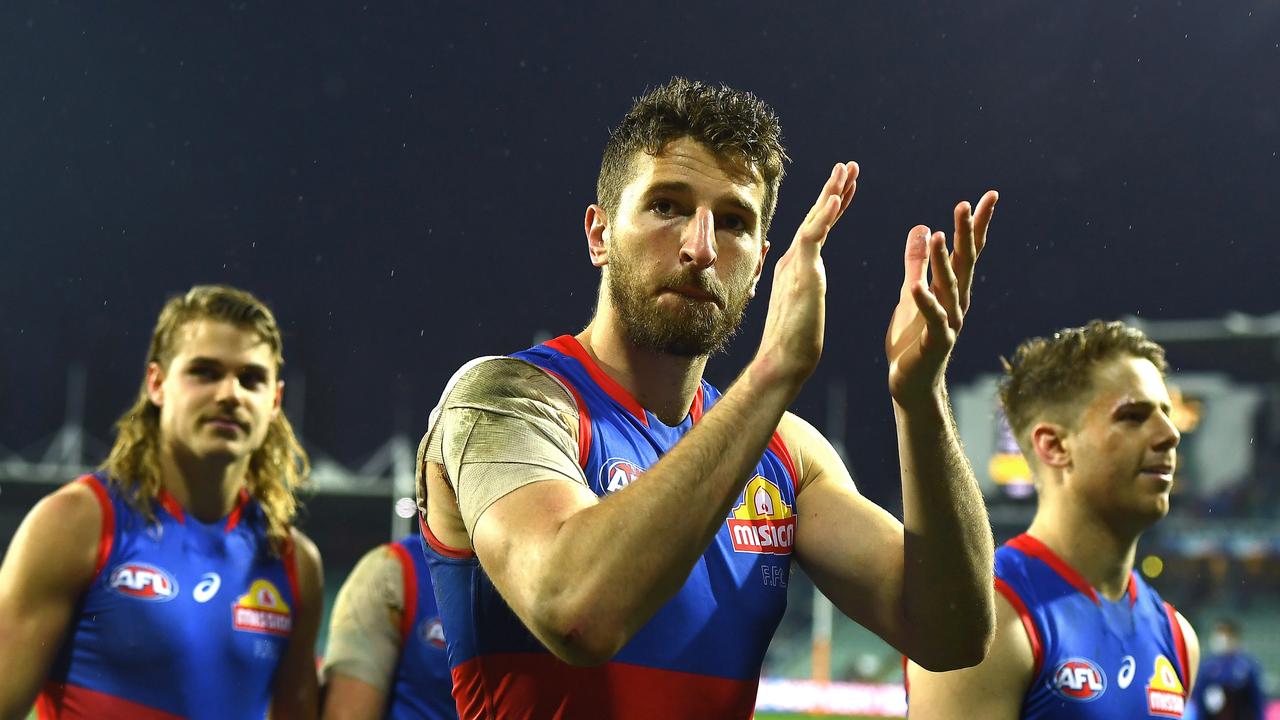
{"x":487,"y":381}
{"x":812,"y":455}
{"x":78,"y":508}
{"x":307,"y":556}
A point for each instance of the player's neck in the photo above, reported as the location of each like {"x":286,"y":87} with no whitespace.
{"x":206,"y":490}
{"x":1102,"y":555}
{"x":663,"y":384}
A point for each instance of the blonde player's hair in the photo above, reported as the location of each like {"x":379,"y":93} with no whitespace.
{"x":277,"y":469}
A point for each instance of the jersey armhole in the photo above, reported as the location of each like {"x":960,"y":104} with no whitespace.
{"x":1028,"y":624}
{"x":1179,"y":643}
{"x":107,"y":535}
{"x":409,"y":595}
{"x":289,"y":556}
{"x":584,"y":417}
{"x":779,"y":448}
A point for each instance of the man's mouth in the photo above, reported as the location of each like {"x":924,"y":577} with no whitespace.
{"x":226,"y":423}
{"x":697,"y":294}
{"x":1162,"y":471}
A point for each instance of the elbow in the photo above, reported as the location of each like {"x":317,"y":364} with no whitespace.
{"x":581,"y":636}
{"x":966,"y":645}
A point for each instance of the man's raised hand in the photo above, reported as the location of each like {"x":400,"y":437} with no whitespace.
{"x":793,"y":330}
{"x":932,"y":305}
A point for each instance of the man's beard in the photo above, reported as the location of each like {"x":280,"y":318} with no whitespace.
{"x":693,"y":328}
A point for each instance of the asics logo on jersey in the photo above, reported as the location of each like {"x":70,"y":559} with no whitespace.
{"x":617,"y":474}
{"x":762,"y":522}
{"x":1166,"y":697}
{"x":207,"y":587}
{"x":1127,"y":668}
{"x":1079,"y":679}
{"x":144,"y":582}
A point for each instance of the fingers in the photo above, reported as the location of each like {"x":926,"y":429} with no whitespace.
{"x":916,"y":257}
{"x":935,"y":316}
{"x":965,"y":253}
{"x":944,"y":285}
{"x":982,"y":218}
{"x":841,"y":184}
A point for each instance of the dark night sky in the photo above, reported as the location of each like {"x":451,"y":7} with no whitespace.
{"x":404,"y":182}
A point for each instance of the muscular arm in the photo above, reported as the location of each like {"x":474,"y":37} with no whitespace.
{"x":297,"y":687}
{"x":992,"y":690}
{"x":948,"y":548}
{"x":584,"y":575}
{"x":364,"y":639}
{"x":48,"y":565}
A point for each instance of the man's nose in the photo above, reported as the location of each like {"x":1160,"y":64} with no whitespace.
{"x":699,"y":248}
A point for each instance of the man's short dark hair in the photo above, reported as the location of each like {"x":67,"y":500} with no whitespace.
{"x":1048,"y":375}
{"x":733,"y":123}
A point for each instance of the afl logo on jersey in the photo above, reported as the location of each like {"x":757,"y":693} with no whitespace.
{"x":617,"y":474}
{"x":431,"y":632}
{"x":144,"y":582}
{"x":1079,"y":679}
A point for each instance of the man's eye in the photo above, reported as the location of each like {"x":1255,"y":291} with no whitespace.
{"x":252,"y":381}
{"x":733,"y":222}
{"x":204,"y":373}
{"x":663,"y":207}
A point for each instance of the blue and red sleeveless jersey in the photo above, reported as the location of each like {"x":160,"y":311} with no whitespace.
{"x":182,"y":619}
{"x":422,"y":686}
{"x":699,"y":656}
{"x":1094,"y":657}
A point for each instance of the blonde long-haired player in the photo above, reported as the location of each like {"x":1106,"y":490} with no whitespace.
{"x":171,"y":583}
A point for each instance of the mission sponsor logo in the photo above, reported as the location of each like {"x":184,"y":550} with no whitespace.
{"x":262,"y":610}
{"x":143,"y":582}
{"x":762,"y":522}
{"x":618,"y":473}
{"x":1166,"y":697}
{"x":1079,"y":679}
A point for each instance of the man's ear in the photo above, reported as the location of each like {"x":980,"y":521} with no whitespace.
{"x":596,"y":225}
{"x":1048,"y":440}
{"x":764,"y":252}
{"x":155,"y":384}
{"x":278,"y":401}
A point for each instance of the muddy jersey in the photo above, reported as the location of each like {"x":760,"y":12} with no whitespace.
{"x":421,"y":687}
{"x":1094,"y":657}
{"x":699,"y":656}
{"x":182,"y":619}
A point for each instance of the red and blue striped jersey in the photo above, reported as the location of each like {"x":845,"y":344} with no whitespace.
{"x":700,"y":655}
{"x":421,"y":688}
{"x":1094,"y":657}
{"x":182,"y":619}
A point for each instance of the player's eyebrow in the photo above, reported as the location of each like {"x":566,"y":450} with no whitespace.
{"x":676,"y":187}
{"x":1143,"y":405}
{"x":201,"y":361}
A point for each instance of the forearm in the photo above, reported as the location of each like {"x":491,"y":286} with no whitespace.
{"x":948,"y":542}
{"x":615,"y":563}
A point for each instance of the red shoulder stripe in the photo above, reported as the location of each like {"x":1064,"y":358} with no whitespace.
{"x":107,"y":535}
{"x":569,"y":345}
{"x":290,"y":557}
{"x":1028,"y":624}
{"x":1036,"y":549}
{"x":584,"y":419}
{"x":779,"y":448}
{"x":1179,"y":644}
{"x":445,"y":550}
{"x":409,"y":575}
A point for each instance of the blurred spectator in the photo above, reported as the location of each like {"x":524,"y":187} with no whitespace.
{"x":1230,"y":684}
